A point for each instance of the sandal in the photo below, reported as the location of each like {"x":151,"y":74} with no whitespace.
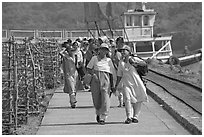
{"x":128,"y":121}
{"x":102,"y":122}
{"x":98,"y":118}
{"x":73,"y":106}
{"x":135,"y":120}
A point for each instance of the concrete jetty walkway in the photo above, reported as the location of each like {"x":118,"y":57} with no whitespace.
{"x":61,"y":119}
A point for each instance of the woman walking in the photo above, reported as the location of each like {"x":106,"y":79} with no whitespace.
{"x":70,"y":74}
{"x":116,"y":57}
{"x":102,"y":70}
{"x":134,"y":90}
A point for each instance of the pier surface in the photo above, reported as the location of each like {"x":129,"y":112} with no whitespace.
{"x":61,"y":119}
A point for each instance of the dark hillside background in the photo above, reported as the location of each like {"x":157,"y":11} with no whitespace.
{"x":183,"y":20}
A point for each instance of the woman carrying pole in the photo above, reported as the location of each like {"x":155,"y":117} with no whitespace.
{"x":134,"y":90}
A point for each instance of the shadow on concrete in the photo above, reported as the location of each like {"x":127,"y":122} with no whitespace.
{"x":117,"y":107}
{"x":69,"y":107}
{"x":88,"y":123}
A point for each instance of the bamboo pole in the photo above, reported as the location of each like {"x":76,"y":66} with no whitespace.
{"x":110,"y":28}
{"x":97,"y":28}
{"x":90,"y":30}
{"x":124,"y":29}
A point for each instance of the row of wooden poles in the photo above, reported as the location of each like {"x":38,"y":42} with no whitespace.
{"x":28,"y":69}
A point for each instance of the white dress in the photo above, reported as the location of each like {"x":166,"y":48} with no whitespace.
{"x":131,"y":83}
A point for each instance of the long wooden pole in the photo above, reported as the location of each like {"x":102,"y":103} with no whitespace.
{"x":97,"y":28}
{"x":110,"y":28}
{"x":89,"y":30}
{"x":124,"y":29}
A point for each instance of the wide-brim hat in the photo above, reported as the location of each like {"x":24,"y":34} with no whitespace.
{"x":93,"y":47}
{"x":85,"y":43}
{"x":76,"y":43}
{"x":69,"y":48}
{"x":125,"y":47}
{"x":104,"y":45}
{"x":104,"y":39}
{"x":69,"y":40}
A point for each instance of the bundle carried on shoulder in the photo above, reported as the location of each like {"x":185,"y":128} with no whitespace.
{"x":140,"y":65}
{"x":87,"y":79}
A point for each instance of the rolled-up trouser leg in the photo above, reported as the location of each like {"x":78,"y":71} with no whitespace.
{"x":100,"y":93}
{"x":128,"y":108}
{"x":105,"y":98}
{"x":96,"y":95}
{"x":72,"y":97}
{"x":105,"y":104}
{"x":128,"y":105}
{"x":120,"y":98}
{"x":136,"y":109}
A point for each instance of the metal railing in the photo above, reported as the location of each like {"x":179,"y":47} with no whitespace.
{"x":74,"y":34}
{"x":57,"y":34}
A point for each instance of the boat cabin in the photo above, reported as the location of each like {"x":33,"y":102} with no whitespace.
{"x":139,"y":24}
{"x":138,"y":32}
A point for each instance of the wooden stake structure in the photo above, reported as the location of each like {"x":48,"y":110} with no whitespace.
{"x":24,"y":80}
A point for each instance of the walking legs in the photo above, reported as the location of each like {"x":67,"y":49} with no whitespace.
{"x":136,"y":109}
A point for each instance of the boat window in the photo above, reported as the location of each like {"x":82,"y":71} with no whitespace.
{"x":146,"y":20}
{"x":137,"y":21}
{"x":129,"y":20}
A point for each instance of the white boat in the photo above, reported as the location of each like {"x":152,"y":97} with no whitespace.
{"x":138,"y":30}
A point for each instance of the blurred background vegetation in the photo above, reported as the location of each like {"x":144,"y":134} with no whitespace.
{"x":183,"y":20}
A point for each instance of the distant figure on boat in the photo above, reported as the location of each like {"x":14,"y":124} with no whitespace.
{"x":186,"y":50}
{"x":174,"y":63}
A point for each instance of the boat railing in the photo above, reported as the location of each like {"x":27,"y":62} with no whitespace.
{"x":58,"y":34}
{"x":62,"y":35}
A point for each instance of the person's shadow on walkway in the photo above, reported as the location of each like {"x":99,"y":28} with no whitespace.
{"x":88,"y":123}
{"x":69,"y":107}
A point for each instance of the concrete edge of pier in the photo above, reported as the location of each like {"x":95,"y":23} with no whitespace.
{"x":191,"y":120}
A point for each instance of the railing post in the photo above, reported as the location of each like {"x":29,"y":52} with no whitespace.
{"x":15,"y":89}
{"x":36,"y":34}
{"x":153,"y":48}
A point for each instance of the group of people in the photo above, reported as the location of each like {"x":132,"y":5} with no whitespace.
{"x":104,"y":65}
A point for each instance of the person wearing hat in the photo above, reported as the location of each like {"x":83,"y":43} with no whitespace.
{"x":84,"y":46}
{"x":79,"y":39}
{"x":102,"y":70}
{"x":70,"y":74}
{"x":134,"y":91}
{"x":116,"y":57}
{"x":64,"y":49}
{"x":91,"y":51}
{"x":78,"y":58}
{"x":69,"y":41}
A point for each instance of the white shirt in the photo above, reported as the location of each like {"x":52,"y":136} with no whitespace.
{"x":104,"y":64}
{"x":79,"y":55}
